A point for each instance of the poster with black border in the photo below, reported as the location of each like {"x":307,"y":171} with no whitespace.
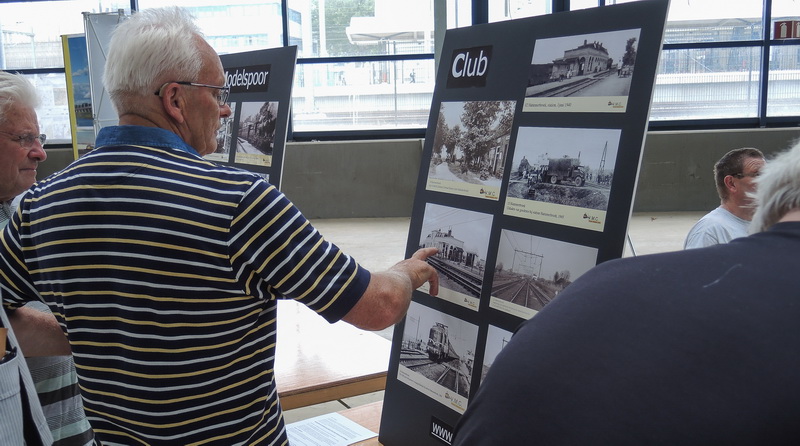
{"x":254,"y":137}
{"x":528,"y":171}
{"x":79,"y":93}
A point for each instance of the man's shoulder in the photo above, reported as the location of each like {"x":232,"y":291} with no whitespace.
{"x":716,"y":227}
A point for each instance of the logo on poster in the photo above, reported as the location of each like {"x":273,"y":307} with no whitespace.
{"x":591,"y":218}
{"x":441,"y":431}
{"x":251,"y":79}
{"x":469,"y":67}
{"x":488,"y":194}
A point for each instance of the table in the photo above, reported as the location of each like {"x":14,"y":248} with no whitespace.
{"x":369,"y":416}
{"x":317,"y":362}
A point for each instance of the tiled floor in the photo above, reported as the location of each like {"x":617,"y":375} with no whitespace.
{"x":379,"y":243}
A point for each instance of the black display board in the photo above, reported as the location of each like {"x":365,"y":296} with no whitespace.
{"x":254,"y":137}
{"x":528,"y":172}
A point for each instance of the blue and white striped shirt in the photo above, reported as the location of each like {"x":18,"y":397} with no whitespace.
{"x":164,"y":268}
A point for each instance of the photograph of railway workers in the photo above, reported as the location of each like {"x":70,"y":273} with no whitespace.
{"x":530,"y":271}
{"x":437,"y":355}
{"x":585,"y":65}
{"x":164,"y":269}
{"x":735,"y":177}
{"x":461,"y":238}
{"x":21,"y":151}
{"x":565,"y":166}
{"x":691,"y":347}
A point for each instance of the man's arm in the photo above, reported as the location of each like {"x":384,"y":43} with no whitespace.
{"x":389,"y":293}
{"x":38,"y":333}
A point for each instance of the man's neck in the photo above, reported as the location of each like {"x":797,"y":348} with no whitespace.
{"x":793,"y":215}
{"x":744,"y":212}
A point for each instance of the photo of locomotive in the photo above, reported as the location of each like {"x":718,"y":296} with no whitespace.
{"x":439,"y":347}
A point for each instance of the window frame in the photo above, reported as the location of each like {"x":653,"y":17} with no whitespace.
{"x":480,"y":13}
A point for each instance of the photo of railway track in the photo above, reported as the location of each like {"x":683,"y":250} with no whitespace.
{"x":496,"y":340}
{"x":462,"y":238}
{"x":437,"y":354}
{"x":530,"y":271}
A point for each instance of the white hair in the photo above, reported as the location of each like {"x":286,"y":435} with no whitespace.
{"x":778,"y":189}
{"x":14,"y":89}
{"x":149,"y":48}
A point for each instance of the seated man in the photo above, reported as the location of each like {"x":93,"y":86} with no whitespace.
{"x":694,"y":347}
{"x":734,"y":176}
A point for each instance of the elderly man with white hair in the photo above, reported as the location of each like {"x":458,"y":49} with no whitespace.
{"x":53,"y":372}
{"x":693,"y":347}
{"x":165,"y":268}
{"x":21,"y":148}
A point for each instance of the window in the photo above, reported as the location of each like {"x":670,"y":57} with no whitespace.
{"x":500,"y":10}
{"x":722,"y":63}
{"x":366,"y":67}
{"x":30,"y":43}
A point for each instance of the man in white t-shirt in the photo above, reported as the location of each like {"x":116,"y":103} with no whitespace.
{"x":734,"y":174}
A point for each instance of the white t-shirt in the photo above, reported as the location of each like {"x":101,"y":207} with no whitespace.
{"x":717,"y":227}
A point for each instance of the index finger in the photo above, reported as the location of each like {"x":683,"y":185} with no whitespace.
{"x":424,"y":253}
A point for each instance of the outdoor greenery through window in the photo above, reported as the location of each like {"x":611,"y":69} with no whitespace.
{"x":368,"y":66}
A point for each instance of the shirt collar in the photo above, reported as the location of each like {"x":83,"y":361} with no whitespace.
{"x":127,"y":135}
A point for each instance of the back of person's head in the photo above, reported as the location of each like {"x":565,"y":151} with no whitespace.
{"x":151,"y":47}
{"x":15,"y":89}
{"x":778,"y":189}
{"x":732,"y":163}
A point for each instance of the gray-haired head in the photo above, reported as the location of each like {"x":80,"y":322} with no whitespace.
{"x":15,"y":89}
{"x":151,"y":47}
{"x":778,"y":190}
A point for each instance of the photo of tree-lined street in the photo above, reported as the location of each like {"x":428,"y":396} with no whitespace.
{"x":470,"y":146}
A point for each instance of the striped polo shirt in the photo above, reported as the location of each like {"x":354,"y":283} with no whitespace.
{"x":164,"y":270}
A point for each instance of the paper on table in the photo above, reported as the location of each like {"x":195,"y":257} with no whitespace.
{"x":331,"y":429}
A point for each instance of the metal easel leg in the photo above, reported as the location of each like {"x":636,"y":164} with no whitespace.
{"x":630,"y":243}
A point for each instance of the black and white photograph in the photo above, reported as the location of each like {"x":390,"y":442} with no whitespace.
{"x":496,"y":340}
{"x":469,"y":147}
{"x":530,"y":271}
{"x":265,"y":176}
{"x":559,"y":173}
{"x":255,"y":137}
{"x":437,"y":355}
{"x":588,"y":69}
{"x":224,"y":138}
{"x":462,"y":237}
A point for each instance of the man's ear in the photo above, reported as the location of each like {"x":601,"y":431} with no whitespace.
{"x":174,"y":102}
{"x":729,"y":184}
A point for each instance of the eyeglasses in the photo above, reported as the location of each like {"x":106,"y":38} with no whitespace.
{"x":26,"y":141}
{"x":742,"y":175}
{"x":222,"y":96}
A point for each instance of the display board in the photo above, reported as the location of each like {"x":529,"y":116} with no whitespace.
{"x":254,"y":137}
{"x":528,"y":172}
{"x":98,"y":28}
{"x":79,"y":92}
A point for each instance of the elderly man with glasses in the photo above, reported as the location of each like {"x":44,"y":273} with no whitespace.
{"x":734,"y":175}
{"x":21,"y":144}
{"x":165,"y":268}
{"x":50,"y":365}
